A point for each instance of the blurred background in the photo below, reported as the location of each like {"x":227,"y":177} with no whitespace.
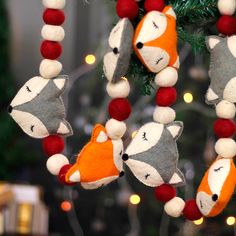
{"x":32,"y":201}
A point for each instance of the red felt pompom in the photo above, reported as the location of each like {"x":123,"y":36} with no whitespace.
{"x":127,"y":8}
{"x":50,"y":49}
{"x":164,"y":193}
{"x":154,"y":5}
{"x":119,"y":109}
{"x":166,"y":96}
{"x":52,"y":145}
{"x":191,"y":211}
{"x":224,"y":128}
{"x":226,"y":25}
{"x":53,"y":17}
{"x":62,"y":175}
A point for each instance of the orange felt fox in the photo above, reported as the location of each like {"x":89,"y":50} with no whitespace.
{"x":99,"y":162}
{"x":155,"y":40}
{"x":217,"y":187}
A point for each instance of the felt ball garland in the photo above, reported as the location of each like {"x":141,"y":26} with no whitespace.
{"x":226,"y":24}
{"x":53,"y":17}
{"x":51,"y":50}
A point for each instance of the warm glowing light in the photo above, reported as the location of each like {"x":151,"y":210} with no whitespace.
{"x":124,"y":78}
{"x":134,"y":133}
{"x":66,"y":206}
{"x":188,"y":97}
{"x":90,"y":59}
{"x":230,"y":220}
{"x":198,"y":222}
{"x":134,"y":199}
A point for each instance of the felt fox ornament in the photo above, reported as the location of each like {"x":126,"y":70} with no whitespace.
{"x":222,"y":69}
{"x":38,"y":108}
{"x":99,"y":162}
{"x":217,"y":187}
{"x":152,"y":154}
{"x":155,"y":40}
{"x":116,"y":60}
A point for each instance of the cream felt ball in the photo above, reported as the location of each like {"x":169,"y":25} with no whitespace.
{"x":174,"y":207}
{"x":53,"y":33}
{"x":54,"y":4}
{"x":120,"y":89}
{"x":225,"y":147}
{"x":164,"y":115}
{"x":49,"y":69}
{"x":167,"y":77}
{"x":227,"y":7}
{"x":225,"y":110}
{"x":115,"y":129}
{"x":56,"y":162}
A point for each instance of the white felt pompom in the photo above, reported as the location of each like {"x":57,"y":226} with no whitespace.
{"x":174,"y":207}
{"x":115,"y":129}
{"x":55,"y":163}
{"x":164,"y":115}
{"x":167,"y":77}
{"x":49,"y":69}
{"x":225,"y":110}
{"x":226,"y":147}
{"x":120,"y":89}
{"x":54,"y":4}
{"x":53,"y":33}
{"x":227,"y":7}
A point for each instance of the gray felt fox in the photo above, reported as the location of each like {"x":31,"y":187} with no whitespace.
{"x":152,"y":155}
{"x":38,"y":108}
{"x":222,"y":69}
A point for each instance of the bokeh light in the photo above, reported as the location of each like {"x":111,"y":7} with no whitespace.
{"x":230,"y":220}
{"x":66,"y":206}
{"x":188,"y":97}
{"x":134,"y":199}
{"x":90,"y":59}
{"x":198,"y":222}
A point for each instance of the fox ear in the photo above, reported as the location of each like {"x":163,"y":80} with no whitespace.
{"x":60,"y":82}
{"x":65,"y":128}
{"x":99,"y":134}
{"x":212,"y":41}
{"x":175,"y":128}
{"x":168,"y":10}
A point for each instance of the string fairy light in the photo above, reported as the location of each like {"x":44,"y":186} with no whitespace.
{"x":90,"y":59}
{"x":230,"y":220}
{"x":188,"y":97}
{"x":134,"y":199}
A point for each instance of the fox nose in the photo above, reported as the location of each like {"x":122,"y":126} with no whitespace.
{"x":139,"y":45}
{"x":9,"y":109}
{"x":125,"y":157}
{"x":122,"y":173}
{"x":214,"y":197}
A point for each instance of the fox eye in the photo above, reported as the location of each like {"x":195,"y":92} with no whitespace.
{"x":28,"y":89}
{"x":155,"y":25}
{"x":218,"y":169}
{"x":32,"y":128}
{"x":144,"y":136}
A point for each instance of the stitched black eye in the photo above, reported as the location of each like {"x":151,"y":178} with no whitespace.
{"x":32,"y":128}
{"x":139,"y":45}
{"x":144,"y":136}
{"x":160,"y":59}
{"x":218,"y":169}
{"x":28,"y":89}
{"x":155,"y":25}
